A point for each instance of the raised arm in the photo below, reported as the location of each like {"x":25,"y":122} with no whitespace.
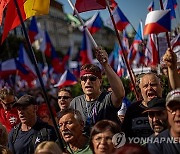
{"x":170,"y":60}
{"x":118,"y":91}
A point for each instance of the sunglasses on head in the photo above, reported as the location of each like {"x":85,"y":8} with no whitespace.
{"x":63,"y":97}
{"x":91,"y":78}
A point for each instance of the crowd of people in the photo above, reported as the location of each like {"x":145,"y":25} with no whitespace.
{"x":97,"y":122}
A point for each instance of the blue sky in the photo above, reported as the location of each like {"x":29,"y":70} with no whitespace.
{"x":134,"y":10}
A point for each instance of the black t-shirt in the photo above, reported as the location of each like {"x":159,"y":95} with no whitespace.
{"x":26,"y":141}
{"x":164,"y":144}
{"x":136,"y":123}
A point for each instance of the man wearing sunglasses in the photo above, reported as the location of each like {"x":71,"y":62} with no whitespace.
{"x":173,"y":133}
{"x":64,"y":98}
{"x":8,"y":115}
{"x":96,"y":105}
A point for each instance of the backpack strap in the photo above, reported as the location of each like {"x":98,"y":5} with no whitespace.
{"x":15,"y":132}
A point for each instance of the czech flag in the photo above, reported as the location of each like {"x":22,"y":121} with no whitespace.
{"x":176,"y":41}
{"x":67,"y":79}
{"x":151,"y":6}
{"x":33,"y":30}
{"x":94,"y":24}
{"x":28,"y":9}
{"x":157,"y":21}
{"x":171,"y":4}
{"x":87,"y":5}
{"x":86,"y":50}
{"x":120,"y":19}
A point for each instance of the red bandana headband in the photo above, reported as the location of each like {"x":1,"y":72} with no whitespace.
{"x":97,"y":74}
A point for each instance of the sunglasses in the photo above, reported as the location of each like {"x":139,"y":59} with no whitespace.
{"x":63,"y":97}
{"x":91,"y":78}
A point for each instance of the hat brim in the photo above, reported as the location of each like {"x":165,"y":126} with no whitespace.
{"x":154,"y":109}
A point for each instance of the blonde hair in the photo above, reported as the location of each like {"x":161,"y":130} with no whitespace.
{"x":48,"y":146}
{"x":3,"y":135}
{"x":4,"y":150}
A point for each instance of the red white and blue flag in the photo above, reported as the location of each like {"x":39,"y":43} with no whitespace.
{"x":86,"y":55}
{"x":33,"y":29}
{"x":120,"y":19}
{"x":171,"y":4}
{"x":121,"y":70}
{"x":67,"y":79}
{"x":151,"y":6}
{"x":176,"y":41}
{"x":94,"y":24}
{"x":157,"y":21}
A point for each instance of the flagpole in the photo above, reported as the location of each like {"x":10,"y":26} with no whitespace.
{"x":167,"y":35}
{"x":124,"y":56}
{"x":157,"y":39}
{"x":38,"y":74}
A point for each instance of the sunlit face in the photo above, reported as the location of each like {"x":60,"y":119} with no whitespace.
{"x":7,"y":102}
{"x":158,"y":120}
{"x":70,"y":128}
{"x":102,"y":143}
{"x":150,"y":87}
{"x":64,"y":99}
{"x":91,"y":85}
{"x":173,"y":110}
{"x":27,"y":113}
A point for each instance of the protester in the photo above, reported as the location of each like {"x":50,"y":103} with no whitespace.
{"x":157,"y":115}
{"x":170,"y":60}
{"x":44,"y":114}
{"x":135,"y":123}
{"x":48,"y":147}
{"x":3,"y":135}
{"x":8,"y":115}
{"x":95,"y":105}
{"x":64,"y":98}
{"x":168,"y":141}
{"x":101,"y":137}
{"x":71,"y":128}
{"x":31,"y":131}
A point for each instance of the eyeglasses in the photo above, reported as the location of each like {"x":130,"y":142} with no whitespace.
{"x":91,"y":78}
{"x":63,"y":97}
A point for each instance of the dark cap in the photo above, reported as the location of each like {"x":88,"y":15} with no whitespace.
{"x":156,"y":104}
{"x":173,"y":95}
{"x":25,"y":101}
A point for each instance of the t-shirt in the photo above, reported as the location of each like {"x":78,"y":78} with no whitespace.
{"x":9,"y":118}
{"x":23,"y":141}
{"x":94,"y":111}
{"x":164,"y":144}
{"x":136,"y":123}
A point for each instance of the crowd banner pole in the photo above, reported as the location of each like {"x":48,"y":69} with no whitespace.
{"x":124,"y":56}
{"x":38,"y":74}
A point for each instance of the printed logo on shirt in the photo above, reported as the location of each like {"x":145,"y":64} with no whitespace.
{"x":12,"y":120}
{"x":37,"y":140}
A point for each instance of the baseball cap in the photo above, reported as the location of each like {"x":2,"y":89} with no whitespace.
{"x":156,"y":104}
{"x":25,"y":101}
{"x":173,"y":95}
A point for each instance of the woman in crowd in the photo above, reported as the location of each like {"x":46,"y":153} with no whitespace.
{"x":101,"y":137}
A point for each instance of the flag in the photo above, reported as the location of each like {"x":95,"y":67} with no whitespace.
{"x":176,"y":41}
{"x":86,"y":50}
{"x":170,"y":4}
{"x":151,"y":6}
{"x":157,"y":22}
{"x":121,"y":70}
{"x":67,"y":79}
{"x":33,"y":30}
{"x":120,"y":19}
{"x":151,"y":52}
{"x":3,"y":4}
{"x":28,"y":9}
{"x":25,"y":61}
{"x":87,"y":5}
{"x":48,"y":45}
{"x":135,"y":47}
{"x":94,"y":24}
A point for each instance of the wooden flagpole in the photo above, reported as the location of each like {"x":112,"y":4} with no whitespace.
{"x":38,"y":74}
